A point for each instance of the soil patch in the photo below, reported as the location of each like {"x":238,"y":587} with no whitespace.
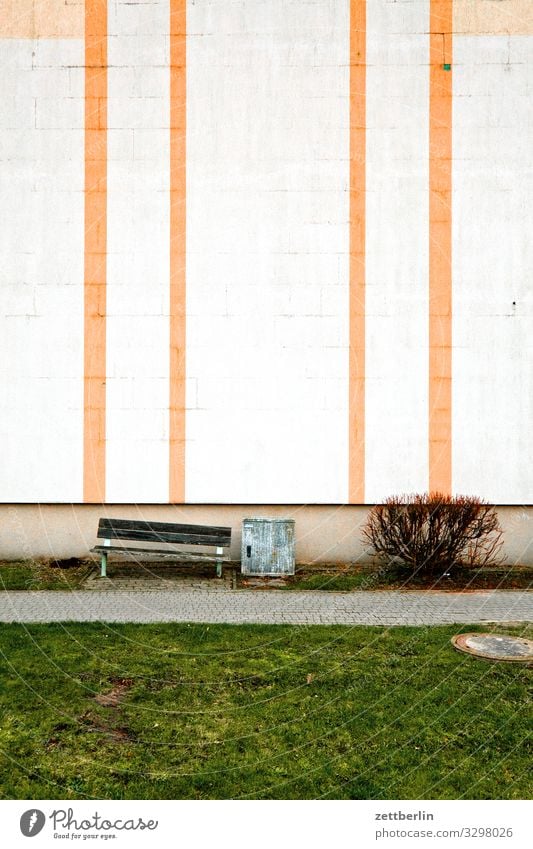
{"x":114,"y":697}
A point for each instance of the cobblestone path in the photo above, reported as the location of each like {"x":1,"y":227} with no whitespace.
{"x":268,"y":607}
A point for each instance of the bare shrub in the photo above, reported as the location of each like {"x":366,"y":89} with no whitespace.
{"x":433,"y":533}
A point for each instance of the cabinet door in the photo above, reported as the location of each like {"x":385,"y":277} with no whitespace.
{"x":267,"y":548}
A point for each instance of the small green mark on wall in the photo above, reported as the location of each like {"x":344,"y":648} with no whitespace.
{"x":447,"y":66}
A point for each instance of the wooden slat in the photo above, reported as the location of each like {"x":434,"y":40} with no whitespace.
{"x":182,"y":555}
{"x":151,"y":536}
{"x":163,"y":527}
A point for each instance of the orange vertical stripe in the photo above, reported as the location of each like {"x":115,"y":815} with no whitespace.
{"x":356,"y":493}
{"x":440,"y":247}
{"x":95,"y":249}
{"x":178,"y":20}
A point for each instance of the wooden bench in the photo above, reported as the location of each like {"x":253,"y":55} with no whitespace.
{"x":169,"y":533}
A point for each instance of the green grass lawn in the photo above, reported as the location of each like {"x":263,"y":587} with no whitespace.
{"x":27,"y":575}
{"x":191,"y":711}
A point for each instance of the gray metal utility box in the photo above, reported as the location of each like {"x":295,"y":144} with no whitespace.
{"x":267,"y":547}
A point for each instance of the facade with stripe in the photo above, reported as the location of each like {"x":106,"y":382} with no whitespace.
{"x":263,"y":252}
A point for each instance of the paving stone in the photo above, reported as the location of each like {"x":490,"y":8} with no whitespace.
{"x":218,"y":604}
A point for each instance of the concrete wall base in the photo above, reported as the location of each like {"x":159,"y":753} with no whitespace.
{"x":324,"y":533}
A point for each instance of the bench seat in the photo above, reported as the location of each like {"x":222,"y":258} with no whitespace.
{"x":185,"y":555}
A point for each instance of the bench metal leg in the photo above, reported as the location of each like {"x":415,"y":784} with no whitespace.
{"x":103,"y":568}
{"x":219,"y":564}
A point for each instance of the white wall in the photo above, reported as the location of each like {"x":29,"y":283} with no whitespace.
{"x":492,"y":262}
{"x":397,"y":248}
{"x":267,"y":255}
{"x":138,"y":264}
{"x":267,"y":251}
{"x":41,"y":272}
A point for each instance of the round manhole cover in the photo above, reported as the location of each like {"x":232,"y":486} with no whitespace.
{"x":495,"y":647}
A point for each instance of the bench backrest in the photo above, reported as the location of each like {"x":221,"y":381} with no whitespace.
{"x":130,"y":529}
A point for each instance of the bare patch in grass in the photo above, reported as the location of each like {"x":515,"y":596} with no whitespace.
{"x":114,"y":697}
